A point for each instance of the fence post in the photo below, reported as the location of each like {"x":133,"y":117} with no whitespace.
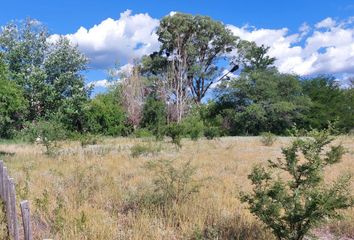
{"x":25,"y":210}
{"x":1,"y":179}
{"x":7,"y":200}
{"x":13,"y":208}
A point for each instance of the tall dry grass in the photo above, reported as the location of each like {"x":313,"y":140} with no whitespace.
{"x":94,"y":192}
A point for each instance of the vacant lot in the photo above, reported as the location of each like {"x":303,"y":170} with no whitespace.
{"x":105,"y":191}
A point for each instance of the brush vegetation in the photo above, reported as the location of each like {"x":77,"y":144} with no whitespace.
{"x":101,"y":191}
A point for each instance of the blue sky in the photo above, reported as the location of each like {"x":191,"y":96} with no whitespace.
{"x":66,"y":16}
{"x":304,"y":31}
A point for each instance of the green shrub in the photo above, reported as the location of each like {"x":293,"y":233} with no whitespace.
{"x":292,"y":207}
{"x":175,"y":131}
{"x":193,"y":126}
{"x":47,"y":133}
{"x":106,"y":116}
{"x":173,"y":183}
{"x":13,"y":105}
{"x":143,"y":150}
{"x":268,"y":138}
{"x":211,"y":132}
{"x":154,"y":116}
{"x":88,"y":139}
{"x":143,"y":133}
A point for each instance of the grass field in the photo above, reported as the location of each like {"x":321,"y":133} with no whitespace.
{"x":96,"y":192}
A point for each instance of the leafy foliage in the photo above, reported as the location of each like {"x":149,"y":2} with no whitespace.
{"x":211,"y":132}
{"x":154,"y":116}
{"x":292,"y":207}
{"x":262,"y":101}
{"x":50,"y":74}
{"x":104,"y":115}
{"x":13,"y":105}
{"x":175,"y":131}
{"x":46,"y":133}
{"x":330,"y":102}
{"x":193,"y":126}
{"x":202,"y":42}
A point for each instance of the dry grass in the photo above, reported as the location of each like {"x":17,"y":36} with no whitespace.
{"x":92,"y":192}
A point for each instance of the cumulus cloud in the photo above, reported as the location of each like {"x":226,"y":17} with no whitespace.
{"x":326,"y":48}
{"x":326,"y":23}
{"x":121,"y":40}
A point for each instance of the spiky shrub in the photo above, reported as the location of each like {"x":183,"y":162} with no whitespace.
{"x":173,"y":183}
{"x":268,"y":138}
{"x":291,"y":207}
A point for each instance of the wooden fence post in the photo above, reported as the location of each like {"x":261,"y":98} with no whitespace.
{"x":7,"y":200}
{"x":1,"y":179}
{"x":25,"y":210}
{"x":13,"y":208}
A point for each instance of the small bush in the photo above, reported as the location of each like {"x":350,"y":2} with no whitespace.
{"x":292,"y":207}
{"x":47,"y":133}
{"x":268,"y":138}
{"x":143,"y":150}
{"x":193,"y":126}
{"x":88,"y":139}
{"x":143,"y":133}
{"x":175,"y":131}
{"x":211,"y":132}
{"x":154,"y":116}
{"x":172,"y":183}
{"x":351,"y":132}
{"x":230,"y":226}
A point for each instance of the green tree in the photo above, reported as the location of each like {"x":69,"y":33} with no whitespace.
{"x":175,"y":132}
{"x":154,"y":116}
{"x":24,"y":47}
{"x":199,"y":40}
{"x":253,"y":57}
{"x":262,"y":101}
{"x":193,"y":125}
{"x":106,"y":116}
{"x":330,"y":103}
{"x":68,"y":94}
{"x":49,"y":72}
{"x":191,"y":47}
{"x":292,"y":207}
{"x":13,"y":105}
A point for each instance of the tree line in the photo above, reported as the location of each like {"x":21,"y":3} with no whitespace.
{"x":202,"y":81}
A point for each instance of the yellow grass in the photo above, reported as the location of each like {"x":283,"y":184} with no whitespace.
{"x":86,"y":193}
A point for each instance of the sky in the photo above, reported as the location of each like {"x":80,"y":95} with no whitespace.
{"x":308,"y":37}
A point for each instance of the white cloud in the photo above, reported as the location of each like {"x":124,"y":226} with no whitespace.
{"x":304,"y":30}
{"x":329,"y":48}
{"x":99,"y":83}
{"x":326,"y":23}
{"x":325,"y":47}
{"x":121,"y":40}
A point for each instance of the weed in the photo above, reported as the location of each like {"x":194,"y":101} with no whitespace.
{"x":268,"y":138}
{"x":144,"y":150}
{"x":173,"y":184}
